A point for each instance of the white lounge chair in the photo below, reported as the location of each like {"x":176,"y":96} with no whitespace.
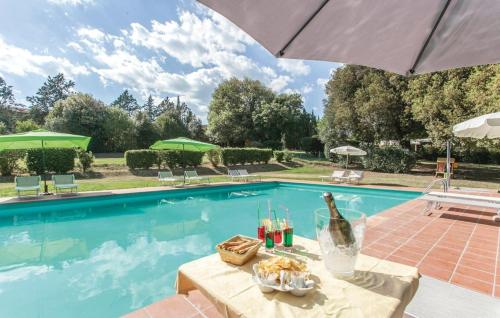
{"x":244,"y":173}
{"x":234,"y":174}
{"x":27,"y":183}
{"x":355,"y":176}
{"x":193,"y":175}
{"x":167,"y":176}
{"x":337,"y":176}
{"x":434,"y":199}
{"x":65,"y":181}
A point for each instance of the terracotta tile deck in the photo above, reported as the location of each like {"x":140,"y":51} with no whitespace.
{"x":459,"y":245}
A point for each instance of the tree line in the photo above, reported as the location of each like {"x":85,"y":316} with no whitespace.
{"x":119,"y":126}
{"x":365,"y":105}
{"x":241,"y":113}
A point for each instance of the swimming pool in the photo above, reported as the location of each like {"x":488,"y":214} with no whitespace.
{"x":106,"y":256}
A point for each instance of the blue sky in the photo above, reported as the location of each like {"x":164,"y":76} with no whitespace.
{"x":158,"y":47}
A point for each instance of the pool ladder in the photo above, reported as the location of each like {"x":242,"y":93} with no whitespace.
{"x":443,"y":182}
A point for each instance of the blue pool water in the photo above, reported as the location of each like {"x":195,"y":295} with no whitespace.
{"x":104,"y":257}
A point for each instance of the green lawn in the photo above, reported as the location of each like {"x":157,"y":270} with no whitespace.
{"x":109,"y":172}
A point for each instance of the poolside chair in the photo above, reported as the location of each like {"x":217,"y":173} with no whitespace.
{"x":355,"y":176}
{"x":244,"y":173}
{"x":167,"y":176}
{"x":193,"y":175}
{"x":27,"y":183}
{"x":234,"y":174}
{"x":337,"y":176}
{"x":65,"y":181}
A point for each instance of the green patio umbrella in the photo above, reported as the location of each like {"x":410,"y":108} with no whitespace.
{"x":41,"y":139}
{"x":183,"y":144}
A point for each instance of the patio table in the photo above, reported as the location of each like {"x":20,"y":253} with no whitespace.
{"x":379,"y":288}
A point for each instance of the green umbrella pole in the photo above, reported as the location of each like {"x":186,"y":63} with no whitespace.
{"x":45,"y":187}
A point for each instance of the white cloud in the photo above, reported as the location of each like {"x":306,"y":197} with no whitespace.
{"x":72,"y":2}
{"x":209,"y":44}
{"x":321,"y":82}
{"x":306,"y":89}
{"x":294,"y":67}
{"x":75,"y":46}
{"x":22,"y":62}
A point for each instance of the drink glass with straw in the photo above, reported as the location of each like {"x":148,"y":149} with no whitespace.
{"x":278,"y":234}
{"x":260,"y":226}
{"x":287,"y":231}
{"x":269,"y":234}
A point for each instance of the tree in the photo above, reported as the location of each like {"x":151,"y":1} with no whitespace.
{"x":26,"y":125}
{"x":231,"y":110}
{"x":6,"y":95}
{"x":53,"y":89}
{"x":284,"y":118}
{"x":126,"y":102}
{"x":147,"y":131}
{"x":177,"y":120}
{"x":367,"y":105}
{"x":81,"y":114}
{"x":149,"y":108}
{"x":119,"y":131}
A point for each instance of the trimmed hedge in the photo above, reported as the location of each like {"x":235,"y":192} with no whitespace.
{"x":141,"y":159}
{"x":8,"y":161}
{"x":58,"y":160}
{"x":233,"y":156}
{"x":390,"y":159}
{"x":146,"y":158}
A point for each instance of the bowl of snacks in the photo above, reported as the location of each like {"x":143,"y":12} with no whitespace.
{"x":238,"y":250}
{"x":283,"y":274}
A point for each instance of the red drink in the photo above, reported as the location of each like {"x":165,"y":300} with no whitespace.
{"x":278,"y":236}
{"x":260,"y":233}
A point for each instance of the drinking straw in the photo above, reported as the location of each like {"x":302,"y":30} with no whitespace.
{"x":276,"y":219}
{"x":287,"y":215}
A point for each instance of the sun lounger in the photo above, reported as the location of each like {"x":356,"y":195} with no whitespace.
{"x":337,"y":175}
{"x":435,"y":198}
{"x":355,"y":176}
{"x":244,"y":173}
{"x":167,"y":176}
{"x":193,"y":175}
{"x":27,"y":183}
{"x":65,"y":181}
{"x":234,"y":174}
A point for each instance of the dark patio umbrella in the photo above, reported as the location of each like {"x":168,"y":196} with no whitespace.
{"x":401,"y":36}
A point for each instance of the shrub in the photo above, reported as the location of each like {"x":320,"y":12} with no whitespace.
{"x":232,"y":156}
{"x":390,"y":159}
{"x":8,"y":161}
{"x":85,"y":159}
{"x":279,"y":156}
{"x":141,"y":159}
{"x":214,"y":157}
{"x":170,"y":158}
{"x":287,"y":156}
{"x":58,"y":160}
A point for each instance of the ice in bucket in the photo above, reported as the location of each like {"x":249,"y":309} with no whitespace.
{"x":340,"y":254}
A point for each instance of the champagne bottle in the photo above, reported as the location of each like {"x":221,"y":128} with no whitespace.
{"x":339,"y":228}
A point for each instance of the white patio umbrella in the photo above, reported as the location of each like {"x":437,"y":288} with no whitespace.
{"x":401,"y":36}
{"x":348,"y":151}
{"x":485,"y":126}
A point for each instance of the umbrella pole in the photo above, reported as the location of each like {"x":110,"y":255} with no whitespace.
{"x":448,"y":164}
{"x":347,"y":161}
{"x":45,"y":187}
{"x":183,"y":166}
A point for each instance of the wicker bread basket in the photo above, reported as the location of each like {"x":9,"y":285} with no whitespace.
{"x":235,"y":258}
